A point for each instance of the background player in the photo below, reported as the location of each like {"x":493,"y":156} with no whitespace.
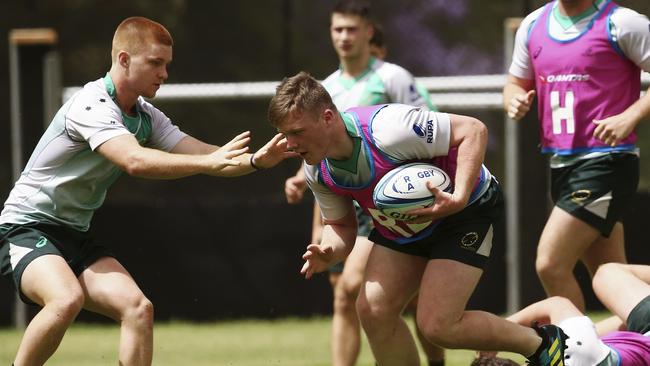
{"x":582,"y":59}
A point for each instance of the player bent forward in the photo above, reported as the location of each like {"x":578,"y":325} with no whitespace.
{"x":440,"y":254}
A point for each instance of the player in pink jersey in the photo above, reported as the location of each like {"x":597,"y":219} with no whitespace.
{"x":624,"y":338}
{"x":582,"y":59}
{"x":439,"y":255}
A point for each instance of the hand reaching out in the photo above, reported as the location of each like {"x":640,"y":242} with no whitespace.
{"x":317,"y":259}
{"x":226,"y":154}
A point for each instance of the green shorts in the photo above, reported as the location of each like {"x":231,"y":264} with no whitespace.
{"x":597,"y":191}
{"x":639,"y":318}
{"x":21,"y":244}
{"x":466,"y":236}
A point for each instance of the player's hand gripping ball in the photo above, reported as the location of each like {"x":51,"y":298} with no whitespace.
{"x":404,"y":188}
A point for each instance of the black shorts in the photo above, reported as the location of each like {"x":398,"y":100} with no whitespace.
{"x":639,"y":318}
{"x":21,"y":244}
{"x":597,"y":191}
{"x":466,"y":236}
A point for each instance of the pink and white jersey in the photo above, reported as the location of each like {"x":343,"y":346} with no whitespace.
{"x":382,"y":161}
{"x":580,"y":80}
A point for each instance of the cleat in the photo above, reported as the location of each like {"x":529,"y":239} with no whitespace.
{"x":554,"y":339}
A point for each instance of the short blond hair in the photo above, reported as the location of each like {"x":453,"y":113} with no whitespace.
{"x":298,"y":94}
{"x":135,"y":32}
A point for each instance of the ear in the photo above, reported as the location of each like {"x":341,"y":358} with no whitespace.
{"x":328,"y":115}
{"x":124,"y":59}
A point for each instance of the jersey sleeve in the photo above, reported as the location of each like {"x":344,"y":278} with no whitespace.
{"x":332,"y":206}
{"x":633,"y":36}
{"x":164,"y":135}
{"x":400,"y":86}
{"x":521,"y":65}
{"x":405,"y":133}
{"x":93,"y":122}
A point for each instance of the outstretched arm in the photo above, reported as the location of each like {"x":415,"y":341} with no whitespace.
{"x":126,"y":153}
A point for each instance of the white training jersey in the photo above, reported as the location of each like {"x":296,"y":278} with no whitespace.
{"x":65,"y":180}
{"x":629,"y":30}
{"x":394,"y":132}
{"x":382,"y":82}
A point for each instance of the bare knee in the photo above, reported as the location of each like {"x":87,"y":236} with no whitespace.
{"x":67,"y":306}
{"x":139,"y":311}
{"x":549,"y":270}
{"x":605,"y":271}
{"x":375,"y":315}
{"x":346,"y":292}
{"x":435,"y":330}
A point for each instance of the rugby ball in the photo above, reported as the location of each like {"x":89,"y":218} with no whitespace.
{"x":404,"y":188}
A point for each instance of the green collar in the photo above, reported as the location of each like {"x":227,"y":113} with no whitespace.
{"x":566,"y":21}
{"x":110,"y":86}
{"x":349,"y":82}
{"x":349,"y":164}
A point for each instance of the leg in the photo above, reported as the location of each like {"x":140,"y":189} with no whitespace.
{"x":606,"y":250}
{"x":563,"y":242}
{"x":392,"y":279}
{"x":621,"y":287}
{"x":49,"y":282}
{"x":111,"y":291}
{"x":445,"y":289}
{"x":435,"y":354}
{"x":346,"y":330}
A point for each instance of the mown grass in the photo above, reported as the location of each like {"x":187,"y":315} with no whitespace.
{"x":287,"y":342}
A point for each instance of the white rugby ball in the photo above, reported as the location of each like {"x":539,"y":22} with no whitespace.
{"x":404,"y":188}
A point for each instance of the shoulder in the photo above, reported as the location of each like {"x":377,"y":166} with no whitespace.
{"x":92,"y":100}
{"x":628,"y":20}
{"x":331,"y":78}
{"x":530,"y":20}
{"x":389,"y":70}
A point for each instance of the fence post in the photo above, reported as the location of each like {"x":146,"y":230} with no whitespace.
{"x":34,"y":83}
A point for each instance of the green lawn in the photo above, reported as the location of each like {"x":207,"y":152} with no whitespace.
{"x":286,"y":342}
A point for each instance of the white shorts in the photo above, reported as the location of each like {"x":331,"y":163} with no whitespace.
{"x":584,"y":346}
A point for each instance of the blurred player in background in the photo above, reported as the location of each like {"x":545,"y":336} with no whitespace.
{"x":439,"y":255}
{"x":103,"y":130}
{"x":582,"y":60}
{"x":362,"y":79}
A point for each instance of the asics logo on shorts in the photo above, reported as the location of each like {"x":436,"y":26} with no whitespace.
{"x":42,"y":241}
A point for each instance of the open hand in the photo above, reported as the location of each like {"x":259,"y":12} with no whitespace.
{"x":226,"y":154}
{"x":273,"y":152}
{"x":317,"y":259}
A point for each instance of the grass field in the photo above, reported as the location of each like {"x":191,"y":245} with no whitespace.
{"x":287,"y":342}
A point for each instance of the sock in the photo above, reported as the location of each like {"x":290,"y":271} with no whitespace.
{"x":440,"y":362}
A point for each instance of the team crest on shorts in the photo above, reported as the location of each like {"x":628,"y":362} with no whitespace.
{"x":579,"y":196}
{"x":468,"y":240}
